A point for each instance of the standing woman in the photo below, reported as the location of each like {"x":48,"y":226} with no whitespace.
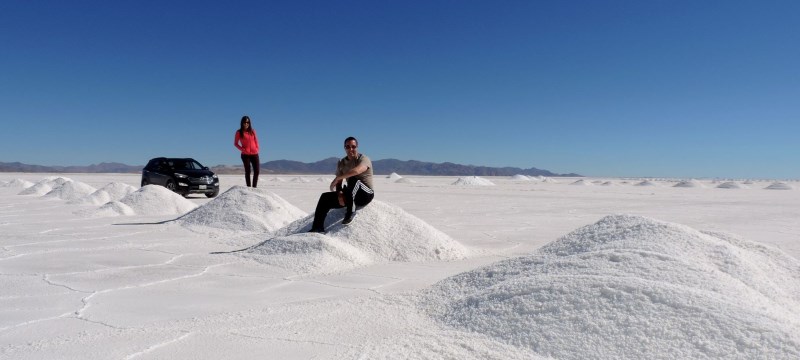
{"x":247,"y":142}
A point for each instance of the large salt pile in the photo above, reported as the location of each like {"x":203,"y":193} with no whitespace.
{"x":70,"y":190}
{"x":148,"y":200}
{"x":114,"y":191}
{"x":691,"y":183}
{"x":380,"y":232}
{"x":520,"y":177}
{"x":44,"y":186}
{"x":731,"y":185}
{"x":779,"y":186}
{"x":472,"y":181}
{"x":243,"y":209}
{"x":17,"y":183}
{"x":629,"y":287}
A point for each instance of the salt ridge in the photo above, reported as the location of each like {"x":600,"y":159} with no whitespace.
{"x":630,"y":287}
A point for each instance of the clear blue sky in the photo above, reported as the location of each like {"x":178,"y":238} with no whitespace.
{"x":601,"y":88}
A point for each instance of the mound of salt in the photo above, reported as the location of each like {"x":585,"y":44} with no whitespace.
{"x":380,"y":232}
{"x":630,"y":287}
{"x":692,"y":183}
{"x":70,"y":190}
{"x":111,"y":208}
{"x":472,"y":181}
{"x":582,"y":182}
{"x":520,"y":177}
{"x":779,"y":186}
{"x":731,"y":185}
{"x":44,"y":186}
{"x":405,"y":181}
{"x":608,"y":183}
{"x":299,"y":180}
{"x":549,"y":180}
{"x":645,"y":183}
{"x":17,"y":183}
{"x":243,"y":209}
{"x":157,"y":200}
{"x":394,"y":176}
{"x":114,"y":191}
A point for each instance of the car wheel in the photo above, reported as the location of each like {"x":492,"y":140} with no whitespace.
{"x":212,"y":194}
{"x":170,"y":185}
{"x":144,"y":182}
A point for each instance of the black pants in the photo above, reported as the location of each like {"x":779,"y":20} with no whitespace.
{"x":247,"y":160}
{"x":357,"y":195}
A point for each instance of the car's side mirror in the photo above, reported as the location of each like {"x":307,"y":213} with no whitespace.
{"x":205,"y":167}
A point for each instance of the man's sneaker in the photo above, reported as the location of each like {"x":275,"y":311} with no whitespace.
{"x":348,"y":219}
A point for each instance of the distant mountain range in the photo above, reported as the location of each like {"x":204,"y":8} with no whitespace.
{"x":326,"y":166}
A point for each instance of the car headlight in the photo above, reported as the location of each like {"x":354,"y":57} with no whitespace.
{"x":180,"y":176}
{"x":214,"y":176}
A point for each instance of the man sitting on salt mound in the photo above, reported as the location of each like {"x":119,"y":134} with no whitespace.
{"x":356,"y":168}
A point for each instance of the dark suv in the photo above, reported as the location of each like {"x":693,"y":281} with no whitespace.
{"x":183,"y":176}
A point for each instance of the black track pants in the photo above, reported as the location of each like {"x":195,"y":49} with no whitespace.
{"x":357,"y":195}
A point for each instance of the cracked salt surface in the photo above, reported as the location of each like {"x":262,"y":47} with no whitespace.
{"x":79,"y":287}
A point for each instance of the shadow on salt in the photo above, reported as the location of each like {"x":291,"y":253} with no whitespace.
{"x":630,"y":287}
{"x":379,"y":233}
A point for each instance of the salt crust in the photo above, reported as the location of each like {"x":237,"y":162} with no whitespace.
{"x":114,"y":191}
{"x":379,"y":233}
{"x":779,"y":186}
{"x":242,"y":209}
{"x":472,"y":181}
{"x":630,"y":287}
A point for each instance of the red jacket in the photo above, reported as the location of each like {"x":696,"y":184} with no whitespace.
{"x":247,"y":144}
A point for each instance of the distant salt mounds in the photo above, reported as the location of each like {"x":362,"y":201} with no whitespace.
{"x":779,"y":186}
{"x":394,"y":176}
{"x":17,"y":183}
{"x":148,"y":200}
{"x":692,"y":183}
{"x":114,"y":191}
{"x":629,"y":287}
{"x":731,"y":185}
{"x":70,"y":190}
{"x":646,"y":183}
{"x":520,"y":177}
{"x":405,"y":181}
{"x":472,"y":181}
{"x":379,"y":233}
{"x":242,"y":209}
{"x":582,"y":182}
{"x":44,"y":186}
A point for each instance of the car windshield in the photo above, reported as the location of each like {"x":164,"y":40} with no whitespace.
{"x":186,"y":165}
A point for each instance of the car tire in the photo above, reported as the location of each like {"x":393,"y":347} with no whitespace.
{"x":144,"y":182}
{"x":170,"y":185}
{"x":212,"y":194}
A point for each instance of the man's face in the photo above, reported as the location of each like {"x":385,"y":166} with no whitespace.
{"x":351,"y":148}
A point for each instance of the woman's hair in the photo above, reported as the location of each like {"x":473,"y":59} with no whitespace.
{"x":241,"y":126}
